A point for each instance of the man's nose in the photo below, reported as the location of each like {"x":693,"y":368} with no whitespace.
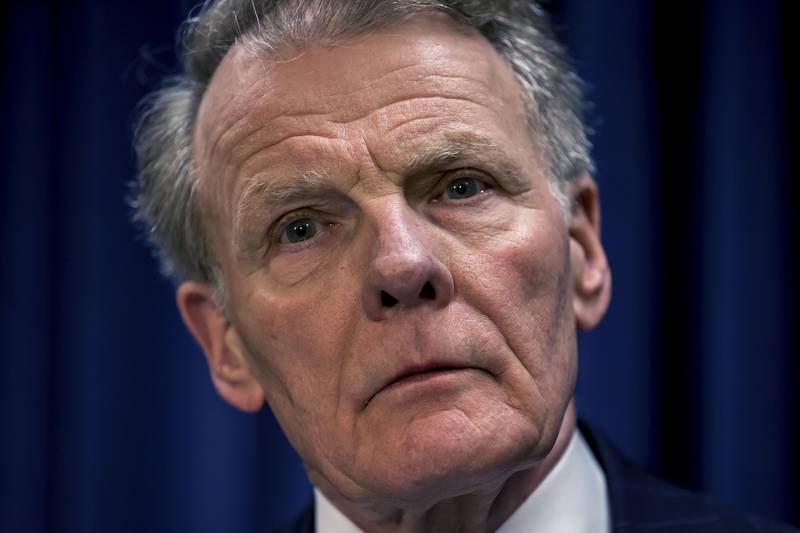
{"x":404,"y":272}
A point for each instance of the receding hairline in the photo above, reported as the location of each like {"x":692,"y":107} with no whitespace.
{"x":242,"y":51}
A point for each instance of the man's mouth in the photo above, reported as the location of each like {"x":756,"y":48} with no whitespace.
{"x":418,"y":374}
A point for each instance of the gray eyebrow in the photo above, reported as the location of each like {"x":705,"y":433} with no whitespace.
{"x":283,"y":190}
{"x":464,"y":146}
{"x":445,"y":152}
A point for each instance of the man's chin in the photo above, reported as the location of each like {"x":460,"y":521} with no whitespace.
{"x":446,"y":453}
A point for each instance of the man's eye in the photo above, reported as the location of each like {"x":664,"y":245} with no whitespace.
{"x":463,"y":188}
{"x":299,"y":230}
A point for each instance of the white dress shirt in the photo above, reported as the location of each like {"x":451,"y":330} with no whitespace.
{"x":572,"y":499}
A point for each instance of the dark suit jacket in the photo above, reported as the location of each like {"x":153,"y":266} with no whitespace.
{"x":639,"y":502}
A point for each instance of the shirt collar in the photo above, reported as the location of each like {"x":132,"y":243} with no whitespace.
{"x":573,"y":498}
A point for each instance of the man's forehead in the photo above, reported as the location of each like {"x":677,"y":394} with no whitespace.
{"x":248,"y":79}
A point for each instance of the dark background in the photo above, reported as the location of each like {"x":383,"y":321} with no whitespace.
{"x":108,"y":421}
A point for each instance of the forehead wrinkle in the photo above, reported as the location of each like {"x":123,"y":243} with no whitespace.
{"x":369,"y":86}
{"x":238,"y":101}
{"x":229,"y":135}
{"x":349,"y":114}
{"x":313,"y":109}
{"x":234,"y":137}
{"x":247,"y":157}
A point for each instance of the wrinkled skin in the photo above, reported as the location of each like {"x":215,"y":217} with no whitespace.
{"x":380,"y":209}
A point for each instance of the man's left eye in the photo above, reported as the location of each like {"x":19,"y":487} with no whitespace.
{"x":300,"y":230}
{"x":463,"y":188}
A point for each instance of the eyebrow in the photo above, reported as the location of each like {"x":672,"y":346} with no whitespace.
{"x":466,"y":147}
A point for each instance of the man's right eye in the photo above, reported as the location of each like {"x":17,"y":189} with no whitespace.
{"x":299,"y":230}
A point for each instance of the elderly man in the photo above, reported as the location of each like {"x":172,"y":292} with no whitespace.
{"x":383,"y":223}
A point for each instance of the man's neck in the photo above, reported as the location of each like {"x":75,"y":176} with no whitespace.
{"x":479,"y":511}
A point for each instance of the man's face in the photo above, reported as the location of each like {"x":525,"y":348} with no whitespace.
{"x":397,"y":269}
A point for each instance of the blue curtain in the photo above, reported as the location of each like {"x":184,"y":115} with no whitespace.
{"x":108,"y":420}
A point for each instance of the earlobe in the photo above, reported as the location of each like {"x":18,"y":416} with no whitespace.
{"x":590,"y":271}
{"x":221,"y":345}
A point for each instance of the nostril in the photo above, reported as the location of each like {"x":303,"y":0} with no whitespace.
{"x":387,"y":300}
{"x":427,"y":292}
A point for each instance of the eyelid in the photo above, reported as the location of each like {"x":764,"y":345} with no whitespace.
{"x":468,"y":172}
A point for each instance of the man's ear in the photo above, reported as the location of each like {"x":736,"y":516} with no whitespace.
{"x":224,"y":351}
{"x":590,"y":272}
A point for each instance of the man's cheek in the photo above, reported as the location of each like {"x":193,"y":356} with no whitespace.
{"x":520,"y":258}
{"x":526,"y":291}
{"x":289,"y":343}
{"x":302,"y":396}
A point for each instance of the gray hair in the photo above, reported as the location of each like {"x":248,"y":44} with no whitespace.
{"x":166,"y":199}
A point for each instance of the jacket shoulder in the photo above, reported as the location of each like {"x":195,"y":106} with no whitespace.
{"x":302,"y":523}
{"x":642,"y":502}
